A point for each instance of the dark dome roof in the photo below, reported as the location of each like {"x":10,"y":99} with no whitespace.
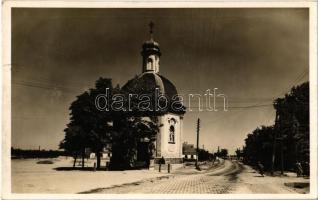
{"x":147,"y":82}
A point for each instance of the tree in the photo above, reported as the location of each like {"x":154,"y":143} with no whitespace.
{"x":89,"y":127}
{"x":75,"y":142}
{"x":239,"y":153}
{"x":94,"y":128}
{"x":293,"y":125}
{"x":76,"y":134}
{"x":223,"y":153}
{"x":204,"y":155}
{"x":258,"y":146}
{"x":290,"y":133}
{"x":129,"y":131}
{"x":99,"y":122}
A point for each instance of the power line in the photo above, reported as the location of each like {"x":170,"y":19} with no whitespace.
{"x":18,"y":67}
{"x":294,"y":82}
{"x":236,"y":107}
{"x":46,"y":86}
{"x":39,"y":86}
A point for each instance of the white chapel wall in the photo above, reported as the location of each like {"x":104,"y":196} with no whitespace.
{"x":171,"y":150}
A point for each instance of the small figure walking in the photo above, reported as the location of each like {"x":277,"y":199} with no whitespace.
{"x":299,"y":169}
{"x":260,"y":168}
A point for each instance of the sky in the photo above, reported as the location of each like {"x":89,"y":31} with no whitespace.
{"x":251,"y":55}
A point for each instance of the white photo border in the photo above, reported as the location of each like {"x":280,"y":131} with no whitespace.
{"x":5,"y":93}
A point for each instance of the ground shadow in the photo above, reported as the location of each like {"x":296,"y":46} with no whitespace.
{"x":251,"y":172}
{"x":74,"y":169}
{"x":92,"y":169}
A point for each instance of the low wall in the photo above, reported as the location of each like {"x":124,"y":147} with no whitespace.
{"x":170,"y":160}
{"x":164,"y":167}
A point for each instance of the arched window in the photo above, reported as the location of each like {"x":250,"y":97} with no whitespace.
{"x":149,"y":63}
{"x":172,"y":130}
{"x":171,"y":134}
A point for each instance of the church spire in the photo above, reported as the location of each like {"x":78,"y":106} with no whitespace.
{"x":150,"y":53}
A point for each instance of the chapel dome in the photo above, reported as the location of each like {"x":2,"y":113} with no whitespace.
{"x":147,"y":82}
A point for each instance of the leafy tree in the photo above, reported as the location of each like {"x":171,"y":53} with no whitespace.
{"x":93,"y":128}
{"x":99,"y":122}
{"x":130,"y":131}
{"x":76,"y":134}
{"x":293,"y":125}
{"x":258,"y":146}
{"x":223,"y":153}
{"x":290,"y":133}
{"x":204,"y":155}
{"x":89,"y":127}
{"x":74,"y":142}
{"x":239,"y":153}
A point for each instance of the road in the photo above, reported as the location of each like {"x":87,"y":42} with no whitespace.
{"x":227,"y":177}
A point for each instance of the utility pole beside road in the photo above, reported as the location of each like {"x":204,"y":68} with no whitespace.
{"x":198,"y":133}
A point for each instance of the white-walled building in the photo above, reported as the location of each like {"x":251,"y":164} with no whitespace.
{"x":168,"y":142}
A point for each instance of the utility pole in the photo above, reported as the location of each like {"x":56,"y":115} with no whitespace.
{"x":278,"y":132}
{"x":274,"y":145}
{"x":198,"y":132}
{"x":282,"y":156}
{"x":281,"y":139}
{"x":296,"y":132}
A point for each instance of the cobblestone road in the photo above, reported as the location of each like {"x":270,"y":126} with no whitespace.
{"x":219,"y":180}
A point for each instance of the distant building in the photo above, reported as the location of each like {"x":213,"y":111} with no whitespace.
{"x":189,"y":153}
{"x":106,"y":154}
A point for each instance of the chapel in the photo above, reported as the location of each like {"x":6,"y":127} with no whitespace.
{"x":168,"y":142}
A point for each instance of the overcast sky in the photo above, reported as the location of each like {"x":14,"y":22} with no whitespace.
{"x":251,"y":55}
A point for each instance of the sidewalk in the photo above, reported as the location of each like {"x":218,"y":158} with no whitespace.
{"x":29,"y":177}
{"x":252,"y":182}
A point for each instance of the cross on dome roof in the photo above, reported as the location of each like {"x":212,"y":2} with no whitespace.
{"x":150,"y":47}
{"x":151,"y":26}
